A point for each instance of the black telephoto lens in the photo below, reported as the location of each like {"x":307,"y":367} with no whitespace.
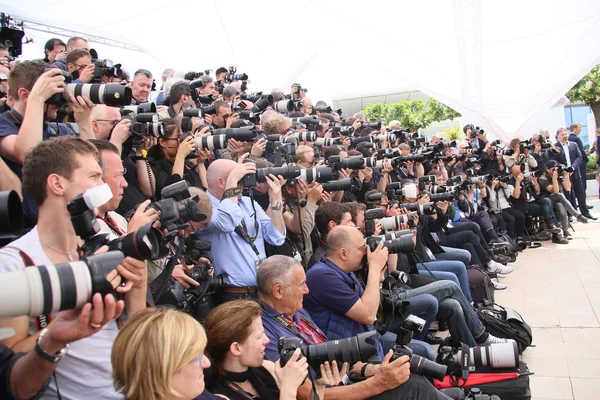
{"x":11,"y":214}
{"x":262,"y":104}
{"x":246,"y":134}
{"x":143,"y":244}
{"x":336,"y":186}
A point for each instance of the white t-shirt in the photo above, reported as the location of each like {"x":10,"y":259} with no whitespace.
{"x":85,"y":372}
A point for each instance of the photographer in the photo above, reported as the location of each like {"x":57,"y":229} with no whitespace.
{"x":236,"y":344}
{"x":554,"y":181}
{"x":141,"y":85}
{"x":53,"y":49}
{"x":498,"y":199}
{"x":104,"y":124}
{"x":475,"y":137}
{"x":524,"y":198}
{"x":80,"y":66}
{"x":543,"y":150}
{"x":179,"y":95}
{"x":25,"y":376}
{"x":26,"y":124}
{"x":55,"y":172}
{"x":282,"y":285}
{"x":239,"y":227}
{"x":520,"y":156}
{"x":329,"y":215}
{"x":170,"y":162}
{"x":74,"y":43}
{"x":574,"y":132}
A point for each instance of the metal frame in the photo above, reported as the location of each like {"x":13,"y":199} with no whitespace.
{"x":37,"y":26}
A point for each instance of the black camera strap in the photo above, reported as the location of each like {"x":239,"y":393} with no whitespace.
{"x":242,"y":229}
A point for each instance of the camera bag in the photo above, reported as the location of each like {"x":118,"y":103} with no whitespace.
{"x":505,"y":323}
{"x":480,"y":284}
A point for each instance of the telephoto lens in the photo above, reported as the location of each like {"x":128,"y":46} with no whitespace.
{"x":427,"y":179}
{"x":143,"y":244}
{"x":12,"y":220}
{"x":496,"y":355}
{"x":283,"y":106}
{"x":336,"y":186}
{"x":111,"y":94}
{"x":337,"y":162}
{"x":403,"y":244}
{"x":422,"y":209}
{"x":386,"y":136}
{"x":361,"y":347}
{"x":375,"y":213}
{"x":442,"y":197}
{"x":320,"y":142}
{"x":317,"y":174}
{"x":372,"y":162}
{"x":393,"y":223}
{"x":262,"y":104}
{"x":246,"y":134}
{"x":394,"y":235}
{"x":305,"y":136}
{"x":356,"y":141}
{"x":211,"y":142}
{"x":46,"y":289}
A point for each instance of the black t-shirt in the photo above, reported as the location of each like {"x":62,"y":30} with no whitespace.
{"x":520,"y":203}
{"x":544,"y":183}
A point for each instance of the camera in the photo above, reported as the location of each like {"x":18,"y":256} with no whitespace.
{"x":339,"y":185}
{"x":393,"y":223}
{"x":211,"y":142}
{"x":245,"y":134}
{"x":422,"y":209}
{"x":111,"y":94}
{"x":563,"y":168}
{"x":145,"y":124}
{"x":45,"y":289}
{"x":177,"y":207}
{"x":337,"y":162}
{"x":312,"y":123}
{"x":418,"y":364}
{"x":342,"y":130}
{"x":403,"y":244}
{"x":143,"y":244}
{"x":361,"y":347}
{"x":290,"y":172}
{"x":305,"y":136}
{"x":496,"y":355}
{"x":105,"y":68}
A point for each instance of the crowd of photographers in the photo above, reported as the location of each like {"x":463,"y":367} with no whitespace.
{"x":273,"y":225}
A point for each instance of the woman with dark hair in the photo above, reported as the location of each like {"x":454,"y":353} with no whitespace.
{"x":169,"y":161}
{"x":53,"y":49}
{"x":236,"y":347}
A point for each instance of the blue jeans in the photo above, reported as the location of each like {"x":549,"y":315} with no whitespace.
{"x":463,"y":323}
{"x":388,"y":341}
{"x":452,"y":253}
{"x":449,"y":270}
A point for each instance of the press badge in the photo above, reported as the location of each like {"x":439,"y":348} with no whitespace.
{"x":258,"y":262}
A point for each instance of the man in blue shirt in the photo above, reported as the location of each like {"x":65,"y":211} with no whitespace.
{"x":239,"y":226}
{"x":30,"y":87}
{"x":281,"y":285}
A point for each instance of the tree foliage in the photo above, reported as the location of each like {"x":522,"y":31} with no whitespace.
{"x":587,"y":91}
{"x":412,"y":115}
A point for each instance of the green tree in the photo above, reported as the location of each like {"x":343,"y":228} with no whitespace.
{"x":411,"y":114}
{"x":587,"y":91}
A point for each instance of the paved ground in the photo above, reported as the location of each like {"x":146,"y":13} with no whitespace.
{"x":557,"y":290}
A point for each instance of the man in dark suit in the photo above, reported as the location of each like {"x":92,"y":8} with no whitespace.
{"x":570,"y":155}
{"x":575,"y":129}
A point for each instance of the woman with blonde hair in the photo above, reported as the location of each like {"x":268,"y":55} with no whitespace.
{"x":158,"y":355}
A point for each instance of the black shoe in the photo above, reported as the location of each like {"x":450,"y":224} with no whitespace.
{"x":559,"y":239}
{"x":589,"y":216}
{"x":568,"y":236}
{"x":442,"y":326}
{"x":589,"y":207}
{"x":583,"y":219}
{"x":432,"y":339}
{"x":501,"y":258}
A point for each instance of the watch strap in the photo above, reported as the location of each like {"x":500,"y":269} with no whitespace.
{"x":44,"y":354}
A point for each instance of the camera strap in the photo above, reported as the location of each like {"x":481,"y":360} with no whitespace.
{"x":242,"y":231}
{"x":306,"y":330}
{"x":111,"y":224}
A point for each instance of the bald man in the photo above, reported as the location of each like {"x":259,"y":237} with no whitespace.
{"x":239,"y":226}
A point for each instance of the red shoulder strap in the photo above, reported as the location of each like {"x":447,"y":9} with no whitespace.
{"x":43,"y":320}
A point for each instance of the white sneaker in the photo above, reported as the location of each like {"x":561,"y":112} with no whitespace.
{"x":499,"y":286}
{"x":497,"y":268}
{"x":496,"y":340}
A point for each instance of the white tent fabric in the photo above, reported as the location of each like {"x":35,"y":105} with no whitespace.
{"x":500,"y":63}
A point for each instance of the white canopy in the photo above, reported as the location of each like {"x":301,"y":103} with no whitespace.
{"x":500,"y":63}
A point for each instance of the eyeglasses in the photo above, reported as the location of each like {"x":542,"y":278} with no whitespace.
{"x":122,"y":173}
{"x":79,"y":67}
{"x":198,"y":360}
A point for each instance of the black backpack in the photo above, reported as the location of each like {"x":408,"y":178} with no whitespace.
{"x":504,"y":322}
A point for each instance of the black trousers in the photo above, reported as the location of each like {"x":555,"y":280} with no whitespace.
{"x":515,"y":222}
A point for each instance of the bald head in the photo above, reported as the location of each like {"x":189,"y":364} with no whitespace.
{"x":217,"y":174}
{"x":341,"y":237}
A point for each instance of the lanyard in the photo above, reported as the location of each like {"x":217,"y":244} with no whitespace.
{"x":111,"y":224}
{"x":236,"y":388}
{"x":242,"y":231}
{"x":305,"y":327}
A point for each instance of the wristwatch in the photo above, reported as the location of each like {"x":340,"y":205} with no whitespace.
{"x":276,"y":206}
{"x":44,"y":354}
